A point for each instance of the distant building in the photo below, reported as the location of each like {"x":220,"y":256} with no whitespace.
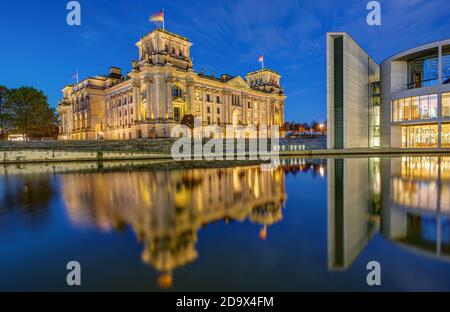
{"x":160,"y":90}
{"x":404,"y":102}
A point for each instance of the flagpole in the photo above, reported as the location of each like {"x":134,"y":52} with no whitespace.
{"x":262,"y":63}
{"x":77,"y":77}
{"x":164,"y":19}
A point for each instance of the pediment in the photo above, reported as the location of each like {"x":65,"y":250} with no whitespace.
{"x":238,"y":82}
{"x":178,"y":100}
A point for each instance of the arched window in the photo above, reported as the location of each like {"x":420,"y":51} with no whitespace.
{"x":173,"y":51}
{"x":177,"y":92}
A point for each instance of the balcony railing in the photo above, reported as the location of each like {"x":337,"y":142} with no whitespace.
{"x":422,"y":83}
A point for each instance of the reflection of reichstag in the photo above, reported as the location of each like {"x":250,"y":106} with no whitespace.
{"x":407,"y":198}
{"x":166,"y":209}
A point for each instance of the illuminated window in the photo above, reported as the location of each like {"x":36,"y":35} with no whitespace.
{"x":433,"y":103}
{"x":445,"y":135}
{"x":446,"y":105}
{"x":415,"y":108}
{"x":420,"y":136}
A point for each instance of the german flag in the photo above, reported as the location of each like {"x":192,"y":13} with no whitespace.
{"x":158,"y":17}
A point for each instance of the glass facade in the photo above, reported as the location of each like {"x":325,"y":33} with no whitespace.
{"x":417,"y":186}
{"x":420,"y":136}
{"x":374,"y":130}
{"x":446,"y":64}
{"x":415,"y":108}
{"x":446,"y":105}
{"x":423,"y":71}
{"x":445,"y":135}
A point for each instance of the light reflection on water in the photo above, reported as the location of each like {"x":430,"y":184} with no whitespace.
{"x":309,"y":225}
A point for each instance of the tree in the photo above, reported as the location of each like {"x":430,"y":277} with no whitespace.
{"x":189,"y":121}
{"x":3,"y":116}
{"x":29,"y":113}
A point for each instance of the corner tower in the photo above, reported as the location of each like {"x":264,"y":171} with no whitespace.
{"x":265,"y":80}
{"x":161,"y":47}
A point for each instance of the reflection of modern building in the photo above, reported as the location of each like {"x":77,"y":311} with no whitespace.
{"x":407,"y":198}
{"x":417,"y":192}
{"x":160,"y":90}
{"x":353,"y":210}
{"x":404,"y":102}
{"x":166,"y":209}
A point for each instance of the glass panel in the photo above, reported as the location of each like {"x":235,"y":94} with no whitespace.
{"x":433,"y":105}
{"x":445,"y":135}
{"x":424,"y":113}
{"x":407,"y":109}
{"x":401,"y":104}
{"x":423,"y":71}
{"x":420,"y":136}
{"x":446,"y":105}
{"x":404,"y":137}
{"x":446,"y":64}
{"x":415,"y":108}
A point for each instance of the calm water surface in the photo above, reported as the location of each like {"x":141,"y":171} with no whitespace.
{"x":310,"y":225}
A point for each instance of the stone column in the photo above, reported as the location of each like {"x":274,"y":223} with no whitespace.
{"x":169,"y":109}
{"x":226,"y":108}
{"x":149,"y":110}
{"x":244,"y":108}
{"x":158,"y":98}
{"x":269,"y":113}
{"x":87,"y":103}
{"x":190,"y":97}
{"x":136,"y":100}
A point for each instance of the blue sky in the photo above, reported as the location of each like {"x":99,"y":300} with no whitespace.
{"x":39,"y":49}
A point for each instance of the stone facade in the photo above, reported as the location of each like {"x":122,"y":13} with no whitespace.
{"x":161,"y":88}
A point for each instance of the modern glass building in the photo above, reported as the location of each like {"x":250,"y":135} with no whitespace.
{"x":415,"y":97}
{"x":404,"y":102}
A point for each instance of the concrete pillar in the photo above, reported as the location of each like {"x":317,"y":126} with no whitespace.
{"x":439,"y":112}
{"x":440,"y":65}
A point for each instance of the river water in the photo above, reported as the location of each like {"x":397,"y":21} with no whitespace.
{"x":309,"y":225}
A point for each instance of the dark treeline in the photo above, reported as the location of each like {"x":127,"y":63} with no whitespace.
{"x":26,"y":111}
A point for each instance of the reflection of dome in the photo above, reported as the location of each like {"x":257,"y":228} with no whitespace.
{"x":165,"y":280}
{"x":263,"y":233}
{"x":167,"y":253}
{"x":166,"y":209}
{"x":266,"y":214}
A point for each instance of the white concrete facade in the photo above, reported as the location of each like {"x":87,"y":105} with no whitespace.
{"x":358,"y":71}
{"x":414,"y":79}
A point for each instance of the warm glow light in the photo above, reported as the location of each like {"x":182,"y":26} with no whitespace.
{"x":165,"y":281}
